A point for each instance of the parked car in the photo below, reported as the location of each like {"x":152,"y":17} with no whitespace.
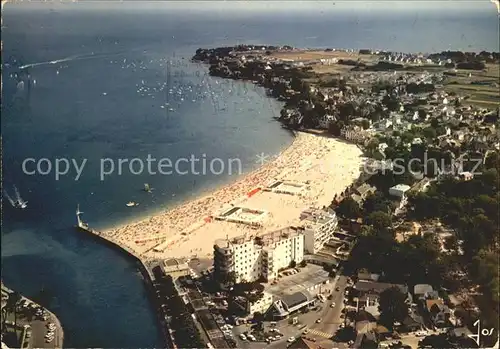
{"x":291,"y":339}
{"x":332,"y":305}
{"x":318,"y":321}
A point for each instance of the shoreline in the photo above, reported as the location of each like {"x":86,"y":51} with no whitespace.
{"x":178,"y":226}
{"x":202,"y":194}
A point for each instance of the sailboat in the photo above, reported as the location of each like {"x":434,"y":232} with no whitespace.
{"x":17,"y":202}
{"x":147,"y":188}
{"x":80,"y":224}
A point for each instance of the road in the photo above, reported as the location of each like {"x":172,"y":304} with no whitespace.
{"x":321,"y":332}
{"x":330,"y":317}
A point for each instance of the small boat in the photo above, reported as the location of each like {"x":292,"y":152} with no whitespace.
{"x":147,"y":188}
{"x":131,"y":204}
{"x":18,"y":202}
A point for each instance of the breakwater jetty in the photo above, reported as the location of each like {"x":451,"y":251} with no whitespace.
{"x":145,"y":271}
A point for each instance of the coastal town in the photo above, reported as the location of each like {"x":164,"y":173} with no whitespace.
{"x":376,"y":228}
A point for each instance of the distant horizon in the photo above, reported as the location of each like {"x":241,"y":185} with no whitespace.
{"x":393,"y":5}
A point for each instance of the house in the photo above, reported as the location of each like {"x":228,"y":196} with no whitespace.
{"x":363,"y":338}
{"x":466,"y":176}
{"x":261,"y":305}
{"x":382,"y":147}
{"x":383,"y":125}
{"x":413,"y":322}
{"x":417,"y":141}
{"x":289,"y":304}
{"x":399,"y":191}
{"x":439,"y":313}
{"x":175,"y":268}
{"x":421,"y":291}
{"x":368,"y":277}
{"x":365,"y":322}
{"x":367,"y":294}
{"x":360,"y":193}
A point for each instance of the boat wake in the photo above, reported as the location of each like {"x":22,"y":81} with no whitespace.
{"x":18,"y":202}
{"x":67,"y":59}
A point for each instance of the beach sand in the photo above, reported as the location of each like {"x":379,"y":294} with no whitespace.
{"x":328,"y":164}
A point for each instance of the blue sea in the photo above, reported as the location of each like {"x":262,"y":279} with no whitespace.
{"x":114,"y":81}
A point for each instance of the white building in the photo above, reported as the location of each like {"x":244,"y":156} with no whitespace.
{"x":254,"y":257}
{"x":399,"y":190}
{"x":261,"y":305}
{"x":318,"y":227}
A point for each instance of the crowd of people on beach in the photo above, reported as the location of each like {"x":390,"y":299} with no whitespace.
{"x":308,"y":153}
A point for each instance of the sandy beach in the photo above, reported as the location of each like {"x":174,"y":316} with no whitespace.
{"x":325,"y":165}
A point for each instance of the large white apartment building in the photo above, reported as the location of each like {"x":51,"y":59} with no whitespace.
{"x":318,"y":227}
{"x":254,"y":257}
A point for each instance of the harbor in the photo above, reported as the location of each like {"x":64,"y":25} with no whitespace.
{"x":26,"y":324}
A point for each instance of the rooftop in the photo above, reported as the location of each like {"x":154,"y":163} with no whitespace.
{"x":377,"y":287}
{"x":401,"y":187}
{"x":296,"y":298}
{"x":263,"y":239}
{"x":308,"y":277}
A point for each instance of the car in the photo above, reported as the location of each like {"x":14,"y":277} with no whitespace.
{"x":337,"y":288}
{"x":243,"y":337}
{"x":291,"y":339}
{"x":332,"y":305}
{"x":318,"y":321}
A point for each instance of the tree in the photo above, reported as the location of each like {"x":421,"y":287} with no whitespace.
{"x":379,"y":220}
{"x":348,"y":208}
{"x":303,"y":264}
{"x":451,"y":243}
{"x":393,"y":307}
{"x":259,"y":318}
{"x":376,"y":202}
{"x":293,"y":264}
{"x":345,"y":334}
{"x":365,"y":124}
{"x":429,"y":133}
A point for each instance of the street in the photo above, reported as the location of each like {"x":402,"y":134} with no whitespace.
{"x":321,"y":332}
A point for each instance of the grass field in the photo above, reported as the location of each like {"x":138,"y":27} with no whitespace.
{"x":486,"y":96}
